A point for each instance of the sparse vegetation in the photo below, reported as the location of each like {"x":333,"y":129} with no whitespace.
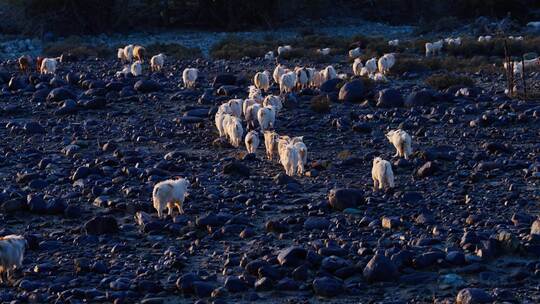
{"x":75,"y":46}
{"x":173,"y":50}
{"x":444,"y":81}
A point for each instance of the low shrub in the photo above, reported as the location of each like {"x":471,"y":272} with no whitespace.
{"x":444,"y":81}
{"x":173,"y":50}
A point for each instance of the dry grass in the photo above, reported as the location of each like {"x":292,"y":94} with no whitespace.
{"x":444,"y":81}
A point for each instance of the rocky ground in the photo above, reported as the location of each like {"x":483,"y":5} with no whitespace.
{"x":82,"y":151}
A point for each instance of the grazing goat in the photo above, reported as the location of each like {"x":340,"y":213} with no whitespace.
{"x":273,"y":100}
{"x":233,"y":129}
{"x":357,"y":66}
{"x":218,"y":119}
{"x":371,"y":66}
{"x":298,"y":143}
{"x":324,"y":52}
{"x":24,"y":63}
{"x":453,"y":41}
{"x":261,"y":81}
{"x":169,"y":194}
{"x":246,"y":104}
{"x":287,"y":82}
{"x":139,"y":53}
{"x":385,"y":63}
{"x":329,"y":73}
{"x":12,"y":249}
{"x":157,"y":62}
{"x":255,"y":94}
{"x":270,"y":143}
{"x":269,"y":55}
{"x":302,"y":77}
{"x":236,"y":107}
{"x":189,"y":76}
{"x":316,"y":79}
{"x":128,"y":52}
{"x":401,"y":141}
{"x":266,"y":117}
{"x":48,"y":65}
{"x":355,"y":53}
{"x":433,"y":49}
{"x":516,"y":38}
{"x":394,"y":42}
{"x":378,"y":77}
{"x":382,"y":174}
{"x":289,"y":158}
{"x":252,"y":141}
{"x":485,"y":38}
{"x":136,"y":68}
{"x":251,"y":114}
{"x":281,"y":50}
{"x":278,"y":72}
{"x":39,"y":61}
{"x":125,"y":71}
{"x":121,"y":55}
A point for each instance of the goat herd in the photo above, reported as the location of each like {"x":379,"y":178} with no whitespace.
{"x":250,"y":121}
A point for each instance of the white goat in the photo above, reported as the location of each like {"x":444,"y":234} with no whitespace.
{"x":136,"y":68}
{"x":12,"y":249}
{"x":125,"y":71}
{"x":385,"y":63}
{"x":401,"y":141}
{"x":289,"y":158}
{"x":302,"y":77}
{"x":157,"y":62}
{"x":371,"y":66}
{"x":255,"y":94}
{"x":357,"y":66}
{"x":251,"y":114}
{"x":324,"y":52}
{"x":434,"y":48}
{"x":252,"y":141}
{"x":287,"y":82}
{"x":266,"y":117}
{"x":128,"y":52}
{"x":236,"y":107}
{"x":298,"y":143}
{"x":283,"y":49}
{"x":382,"y":174}
{"x":169,"y":194}
{"x":189,"y":76}
{"x":121,"y":55}
{"x":269,"y":55}
{"x":270,"y":143}
{"x":329,"y":73}
{"x":261,"y":81}
{"x":278,"y":72}
{"x":273,"y":100}
{"x":355,"y":53}
{"x":48,"y":66}
{"x":233,"y":130}
{"x":394,"y":42}
{"x":485,"y":38}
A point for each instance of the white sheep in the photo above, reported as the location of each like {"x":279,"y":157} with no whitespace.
{"x":298,"y":143}
{"x":270,"y":143}
{"x":287,"y":82}
{"x":269,"y":55}
{"x":233,"y":130}
{"x":170,"y":194}
{"x":252,"y":141}
{"x":453,"y":41}
{"x":157,"y":62}
{"x":289,"y":159}
{"x":136,"y":68}
{"x":329,"y":73}
{"x":12,"y":249}
{"x":219,"y":119}
{"x":401,"y":141}
{"x":302,"y":77}
{"x":245,"y":105}
{"x":529,"y":64}
{"x":261,"y":81}
{"x":357,"y":66}
{"x":225,"y":108}
{"x":251,"y":114}
{"x":324,"y":51}
{"x":273,"y":100}
{"x":189,"y":76}
{"x":394,"y":42}
{"x":282,"y":141}
{"x":236,"y":107}
{"x":128,"y":53}
{"x":516,"y":38}
{"x":385,"y":63}
{"x":382,"y":174}
{"x":48,"y":66}
{"x":355,"y":53}
{"x":125,"y":71}
{"x":485,"y":38}
{"x":266,"y":116}
{"x":371,"y":66}
{"x":278,"y":72}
